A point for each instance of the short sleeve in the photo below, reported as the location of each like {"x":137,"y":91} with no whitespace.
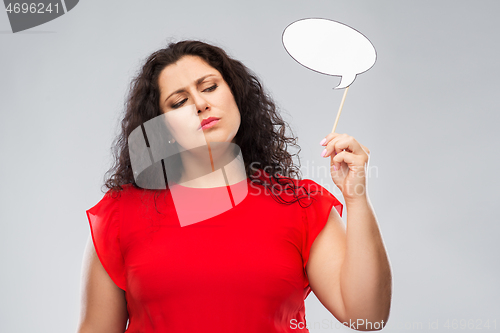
{"x":316,"y":214}
{"x":104,"y":219}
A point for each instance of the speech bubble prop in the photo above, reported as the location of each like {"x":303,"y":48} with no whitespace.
{"x":156,"y":163}
{"x":329,"y":47}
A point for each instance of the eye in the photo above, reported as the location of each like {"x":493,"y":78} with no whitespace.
{"x":212,"y":88}
{"x":176,"y":105}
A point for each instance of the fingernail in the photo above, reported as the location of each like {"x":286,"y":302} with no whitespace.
{"x":334,"y":168}
{"x":322,"y":142}
{"x":323,"y":153}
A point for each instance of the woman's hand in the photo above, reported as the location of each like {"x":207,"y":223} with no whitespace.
{"x":348,"y":164}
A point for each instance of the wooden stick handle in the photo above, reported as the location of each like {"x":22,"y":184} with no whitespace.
{"x":340,"y":109}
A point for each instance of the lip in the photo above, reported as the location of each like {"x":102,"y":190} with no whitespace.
{"x":209,"y":122}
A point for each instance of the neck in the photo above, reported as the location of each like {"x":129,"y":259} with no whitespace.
{"x":214,"y":167}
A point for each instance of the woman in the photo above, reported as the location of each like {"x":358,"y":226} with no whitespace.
{"x":243,"y":267}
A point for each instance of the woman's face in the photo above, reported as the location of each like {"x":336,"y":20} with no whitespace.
{"x":191,"y":91}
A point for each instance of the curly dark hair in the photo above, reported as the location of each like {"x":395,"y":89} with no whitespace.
{"x":261,"y":135}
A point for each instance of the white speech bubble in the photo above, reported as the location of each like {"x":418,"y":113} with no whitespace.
{"x":329,"y":47}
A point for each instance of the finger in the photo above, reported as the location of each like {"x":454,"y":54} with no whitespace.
{"x":331,"y":147}
{"x":344,"y":142}
{"x":352,"y":160}
{"x":329,"y":138}
{"x":337,"y":163}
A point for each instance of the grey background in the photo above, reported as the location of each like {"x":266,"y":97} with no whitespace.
{"x":428,"y":110}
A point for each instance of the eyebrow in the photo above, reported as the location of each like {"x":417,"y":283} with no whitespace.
{"x":200,"y":80}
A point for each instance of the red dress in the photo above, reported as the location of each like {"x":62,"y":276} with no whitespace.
{"x":240,"y":271}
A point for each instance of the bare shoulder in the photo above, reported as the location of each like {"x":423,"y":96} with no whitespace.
{"x":103,"y":303}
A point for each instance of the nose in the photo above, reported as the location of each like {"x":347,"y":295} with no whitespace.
{"x":200,"y":103}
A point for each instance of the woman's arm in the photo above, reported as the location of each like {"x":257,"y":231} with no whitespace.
{"x":350,"y":270}
{"x":103,"y":304}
